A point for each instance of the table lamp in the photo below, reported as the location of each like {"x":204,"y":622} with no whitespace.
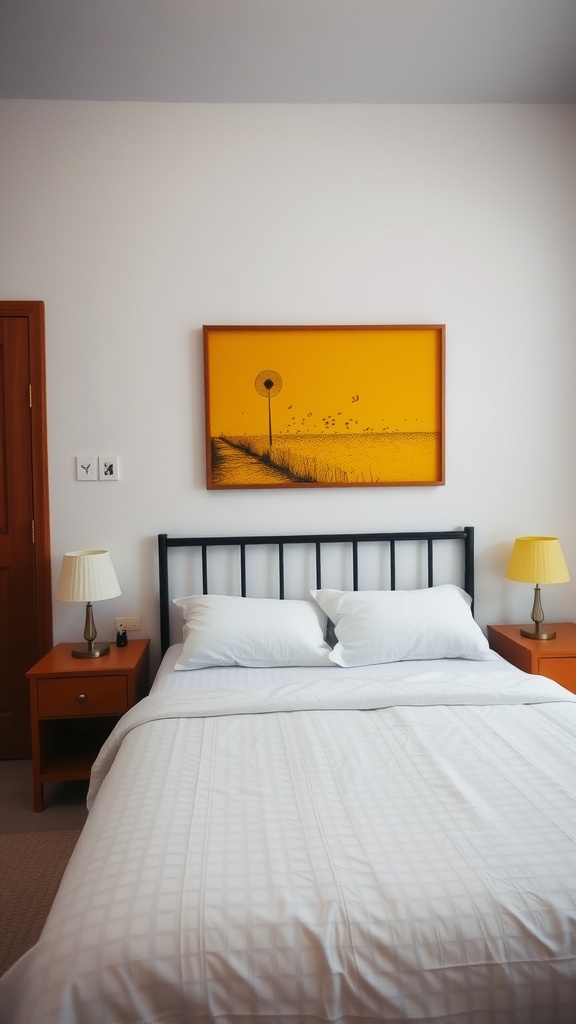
{"x":88,"y":576}
{"x":537,"y":560}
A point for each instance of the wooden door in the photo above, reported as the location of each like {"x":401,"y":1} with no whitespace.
{"x":25,"y":582}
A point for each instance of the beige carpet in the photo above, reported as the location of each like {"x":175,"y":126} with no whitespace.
{"x":31,"y":867}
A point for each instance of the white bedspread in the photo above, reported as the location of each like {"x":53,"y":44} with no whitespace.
{"x":338,"y":847}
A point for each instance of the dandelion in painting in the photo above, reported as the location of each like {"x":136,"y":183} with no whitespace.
{"x":268,"y":383}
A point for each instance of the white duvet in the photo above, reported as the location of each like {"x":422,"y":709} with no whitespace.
{"x":393,"y":844}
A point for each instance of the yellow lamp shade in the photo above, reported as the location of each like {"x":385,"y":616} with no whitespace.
{"x":537,"y":560}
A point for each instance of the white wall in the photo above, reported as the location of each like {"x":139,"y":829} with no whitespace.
{"x":138,"y":223}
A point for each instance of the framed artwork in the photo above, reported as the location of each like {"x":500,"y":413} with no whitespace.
{"x":324,"y":406}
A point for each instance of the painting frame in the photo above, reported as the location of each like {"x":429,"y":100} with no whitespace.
{"x":324,"y":406}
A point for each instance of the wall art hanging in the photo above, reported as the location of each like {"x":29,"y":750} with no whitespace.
{"x":324,"y":406}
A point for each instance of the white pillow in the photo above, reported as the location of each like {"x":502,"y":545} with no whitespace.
{"x":373,"y":627}
{"x":258,"y":632}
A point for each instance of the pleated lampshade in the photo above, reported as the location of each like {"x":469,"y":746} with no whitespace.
{"x":87,"y":576}
{"x":537,"y":560}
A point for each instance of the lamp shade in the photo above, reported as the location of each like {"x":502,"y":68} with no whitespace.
{"x":87,"y":576}
{"x":537,"y":560}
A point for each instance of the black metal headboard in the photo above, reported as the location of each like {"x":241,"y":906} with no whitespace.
{"x":354,"y":541}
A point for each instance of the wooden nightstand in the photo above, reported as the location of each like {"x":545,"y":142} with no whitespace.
{"x":555,"y":658}
{"x":74,"y":705}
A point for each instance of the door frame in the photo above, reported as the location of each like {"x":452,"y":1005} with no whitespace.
{"x":33,"y":311}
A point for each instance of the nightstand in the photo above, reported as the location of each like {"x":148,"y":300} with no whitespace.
{"x":555,"y":658}
{"x":74,"y":705}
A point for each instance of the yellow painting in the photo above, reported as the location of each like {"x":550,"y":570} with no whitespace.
{"x":324,"y":406}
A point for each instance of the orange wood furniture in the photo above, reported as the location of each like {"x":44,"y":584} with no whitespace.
{"x":74,"y":705}
{"x":555,"y":658}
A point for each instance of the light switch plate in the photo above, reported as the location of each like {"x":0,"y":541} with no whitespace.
{"x":107,"y":467}
{"x":86,"y":467}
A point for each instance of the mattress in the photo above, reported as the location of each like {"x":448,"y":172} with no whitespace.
{"x":393,"y":843}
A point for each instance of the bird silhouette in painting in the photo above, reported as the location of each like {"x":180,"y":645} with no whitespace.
{"x":355,"y":398}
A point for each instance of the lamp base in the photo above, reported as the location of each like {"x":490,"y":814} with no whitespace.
{"x":91,"y":650}
{"x":536,"y":634}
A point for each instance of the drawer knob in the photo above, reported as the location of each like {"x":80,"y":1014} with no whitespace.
{"x":81,"y":697}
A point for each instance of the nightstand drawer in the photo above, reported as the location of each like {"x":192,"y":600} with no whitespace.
{"x":73,"y":697}
{"x":562,"y":670}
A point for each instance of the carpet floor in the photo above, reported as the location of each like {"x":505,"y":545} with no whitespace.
{"x":31,"y":867}
{"x":34,"y":850}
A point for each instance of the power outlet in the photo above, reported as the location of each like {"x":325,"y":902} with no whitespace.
{"x":128,"y":622}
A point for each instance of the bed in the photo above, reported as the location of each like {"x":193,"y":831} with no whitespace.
{"x":333,"y":807}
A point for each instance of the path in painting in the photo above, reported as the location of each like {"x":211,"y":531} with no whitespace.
{"x":233,"y":466}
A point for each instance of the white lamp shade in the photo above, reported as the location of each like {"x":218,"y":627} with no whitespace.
{"x":537,"y":560}
{"x":87,"y":576}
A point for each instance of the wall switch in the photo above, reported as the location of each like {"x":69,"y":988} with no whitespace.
{"x":86,"y":467}
{"x":128,"y":622}
{"x":107,"y":467}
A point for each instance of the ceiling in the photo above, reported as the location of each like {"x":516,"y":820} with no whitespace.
{"x":290,"y":51}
